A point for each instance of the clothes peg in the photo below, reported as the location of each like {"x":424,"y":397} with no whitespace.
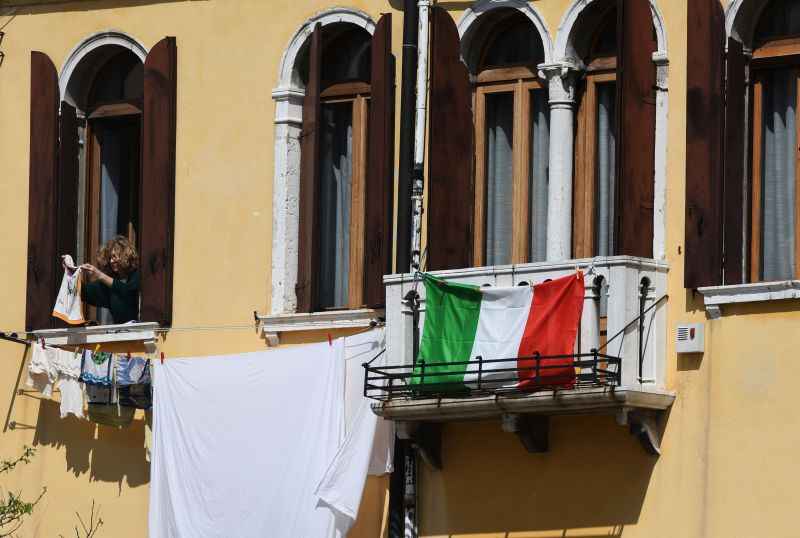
{"x":43,"y":342}
{"x":330,"y":339}
{"x":162,"y":357}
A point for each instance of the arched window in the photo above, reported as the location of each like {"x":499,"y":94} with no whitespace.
{"x":775,"y":76}
{"x":112,"y":154}
{"x":343,"y":150}
{"x":595,"y":190}
{"x":511,"y":143}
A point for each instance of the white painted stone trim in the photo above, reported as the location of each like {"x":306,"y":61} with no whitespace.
{"x":144,"y":333}
{"x":562,"y":49}
{"x":741,"y":17}
{"x":93,"y":42}
{"x":288,"y":98}
{"x":715,"y":297}
{"x":466,"y":24}
{"x":329,"y":16}
{"x":273,"y":325}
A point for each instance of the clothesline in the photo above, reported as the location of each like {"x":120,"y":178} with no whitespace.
{"x":13,"y":335}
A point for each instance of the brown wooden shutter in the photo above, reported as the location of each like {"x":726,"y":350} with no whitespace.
{"x":636,"y":105}
{"x":157,"y":206}
{"x":380,"y":166}
{"x":68,"y":181}
{"x":43,"y":260}
{"x":735,"y":156}
{"x":451,"y":197}
{"x":309,"y":179}
{"x":704,"y":117}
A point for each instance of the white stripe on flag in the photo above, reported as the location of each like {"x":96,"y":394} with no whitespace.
{"x":501,"y":325}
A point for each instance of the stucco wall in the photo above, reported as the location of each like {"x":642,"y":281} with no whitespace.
{"x":727,"y":467}
{"x":228,"y":57}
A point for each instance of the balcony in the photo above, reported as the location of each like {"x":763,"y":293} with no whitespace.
{"x":619,"y":358}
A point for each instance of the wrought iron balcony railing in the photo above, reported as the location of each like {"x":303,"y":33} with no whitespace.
{"x":485,"y":377}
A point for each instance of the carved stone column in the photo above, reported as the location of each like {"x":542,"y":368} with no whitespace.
{"x":561,"y":86}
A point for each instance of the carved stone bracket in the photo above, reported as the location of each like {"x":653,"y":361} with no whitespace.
{"x":533,"y":431}
{"x":644,"y":425}
{"x":426,"y":438}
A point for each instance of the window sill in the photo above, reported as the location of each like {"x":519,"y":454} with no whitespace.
{"x":144,"y":333}
{"x":715,"y":297}
{"x":274,"y":324}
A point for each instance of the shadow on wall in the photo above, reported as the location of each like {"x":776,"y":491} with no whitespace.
{"x":594,"y":479}
{"x":108,"y":454}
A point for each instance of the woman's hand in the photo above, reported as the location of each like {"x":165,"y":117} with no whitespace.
{"x":96,"y":274}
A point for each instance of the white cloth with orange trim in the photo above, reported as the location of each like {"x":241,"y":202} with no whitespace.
{"x":69,"y":306}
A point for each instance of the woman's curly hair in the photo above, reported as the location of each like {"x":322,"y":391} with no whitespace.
{"x":123,"y":250}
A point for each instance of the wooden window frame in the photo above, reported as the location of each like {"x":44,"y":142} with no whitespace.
{"x":756,"y":156}
{"x":358,"y":94}
{"x":584,"y":212}
{"x":519,"y":81}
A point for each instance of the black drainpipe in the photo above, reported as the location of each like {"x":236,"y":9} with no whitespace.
{"x":407,"y":104}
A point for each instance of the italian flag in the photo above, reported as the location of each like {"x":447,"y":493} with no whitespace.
{"x":463,"y":322}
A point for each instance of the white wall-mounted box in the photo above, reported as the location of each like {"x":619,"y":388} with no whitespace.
{"x":690,"y":338}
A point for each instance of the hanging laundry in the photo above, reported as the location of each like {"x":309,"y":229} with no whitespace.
{"x":133,"y":382}
{"x":68,"y":366}
{"x":42,"y":374}
{"x":71,"y":397}
{"x":368,"y":448}
{"x":96,"y":368}
{"x":241,"y":441}
{"x":69,"y":306}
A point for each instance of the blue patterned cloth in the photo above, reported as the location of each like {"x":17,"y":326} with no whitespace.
{"x":132,"y":371}
{"x":96,"y":368}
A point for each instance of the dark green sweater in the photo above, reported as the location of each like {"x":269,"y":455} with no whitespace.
{"x":122,"y":298}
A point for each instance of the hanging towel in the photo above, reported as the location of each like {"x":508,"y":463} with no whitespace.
{"x":241,"y":441}
{"x":69,"y":306}
{"x":42,"y":373}
{"x":96,"y":368}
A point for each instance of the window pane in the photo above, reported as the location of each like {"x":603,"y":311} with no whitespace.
{"x":539,"y":171}
{"x":499,"y":178}
{"x":336,"y":174}
{"x":778,"y":171}
{"x":606,"y":169}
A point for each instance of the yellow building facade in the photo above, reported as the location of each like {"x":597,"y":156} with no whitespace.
{"x":727,"y":465}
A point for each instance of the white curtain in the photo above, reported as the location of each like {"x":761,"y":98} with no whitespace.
{"x":539,"y":173}
{"x":111,"y":170}
{"x":606,"y":171}
{"x":499,"y":177}
{"x":336,"y":175}
{"x":778,"y":172}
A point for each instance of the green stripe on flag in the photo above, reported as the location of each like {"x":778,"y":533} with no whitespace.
{"x":451,"y":321}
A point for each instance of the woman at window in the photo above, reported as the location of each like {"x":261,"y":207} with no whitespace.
{"x":114,"y":284}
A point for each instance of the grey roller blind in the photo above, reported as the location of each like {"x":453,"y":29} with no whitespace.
{"x":778,"y":172}
{"x":336,"y":174}
{"x":539,"y":168}
{"x":499,"y":177}
{"x":606,"y":169}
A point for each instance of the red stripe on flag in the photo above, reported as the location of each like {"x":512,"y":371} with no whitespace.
{"x":551,"y":330}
